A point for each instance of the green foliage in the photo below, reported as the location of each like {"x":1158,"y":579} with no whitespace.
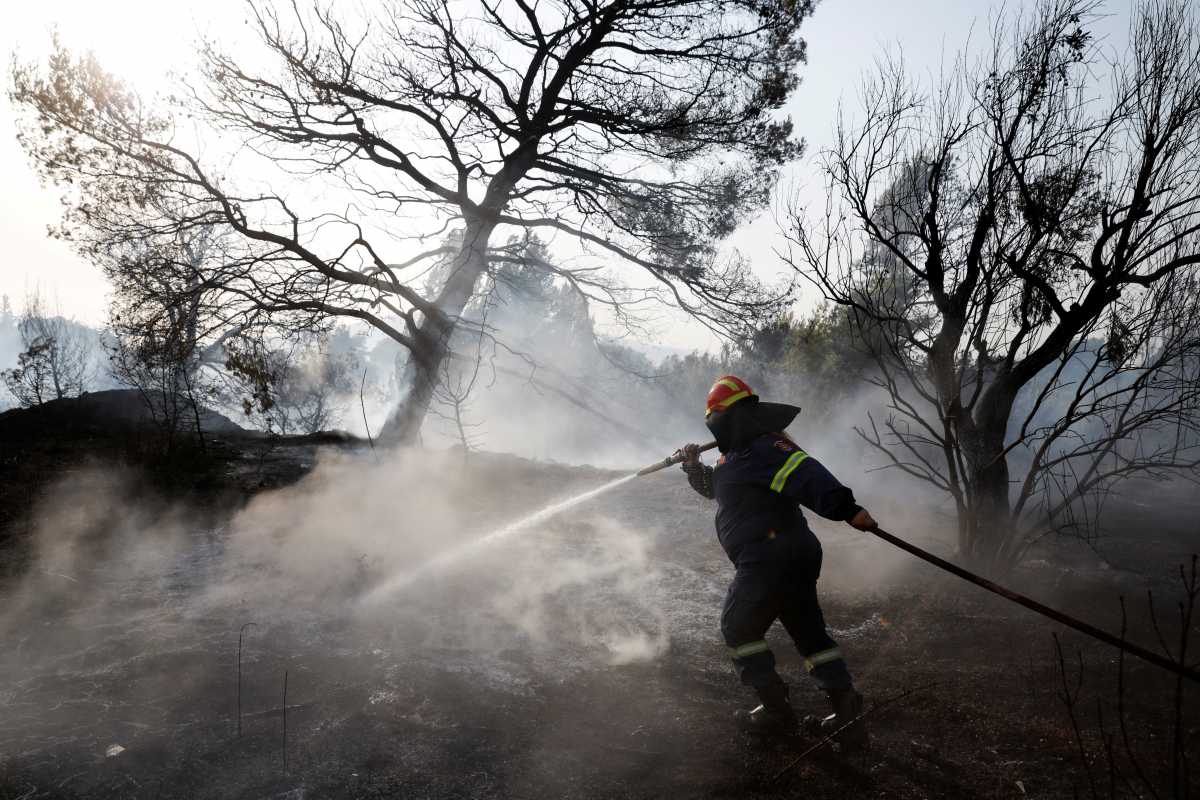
{"x":819,"y":358}
{"x":813,"y":360}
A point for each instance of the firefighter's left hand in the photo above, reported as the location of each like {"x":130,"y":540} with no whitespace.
{"x":863,"y":520}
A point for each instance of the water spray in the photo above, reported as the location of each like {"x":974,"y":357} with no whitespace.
{"x":454,"y":554}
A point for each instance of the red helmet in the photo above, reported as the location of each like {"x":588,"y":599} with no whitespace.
{"x":728,"y":390}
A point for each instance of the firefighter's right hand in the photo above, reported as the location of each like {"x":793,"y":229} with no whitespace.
{"x":863,"y":520}
{"x":691,"y":454}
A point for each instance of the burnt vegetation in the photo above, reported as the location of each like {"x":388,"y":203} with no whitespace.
{"x":422,"y":214}
{"x":1016,"y":246}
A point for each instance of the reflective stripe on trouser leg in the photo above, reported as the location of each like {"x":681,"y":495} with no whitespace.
{"x":751,"y":605}
{"x":828,"y":669}
{"x":823,"y":657}
{"x":755,"y":664}
{"x":741,"y":651}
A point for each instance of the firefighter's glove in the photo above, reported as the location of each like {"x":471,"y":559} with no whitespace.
{"x":699,"y":475}
{"x":863,"y":520}
{"x":691,"y":456}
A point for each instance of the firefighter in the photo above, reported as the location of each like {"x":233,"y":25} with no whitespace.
{"x":759,"y":482}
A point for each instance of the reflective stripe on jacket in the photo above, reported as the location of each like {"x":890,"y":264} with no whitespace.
{"x":759,"y":489}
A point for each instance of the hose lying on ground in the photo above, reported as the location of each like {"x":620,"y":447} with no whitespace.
{"x":1033,"y":605}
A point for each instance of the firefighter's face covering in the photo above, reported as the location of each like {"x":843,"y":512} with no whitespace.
{"x":727,"y":428}
{"x":735,"y":416}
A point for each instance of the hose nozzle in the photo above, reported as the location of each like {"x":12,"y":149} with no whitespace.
{"x":675,"y":458}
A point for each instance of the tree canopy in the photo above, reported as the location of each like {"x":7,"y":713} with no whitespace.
{"x":328,"y":158}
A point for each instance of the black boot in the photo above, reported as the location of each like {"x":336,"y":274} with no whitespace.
{"x":774,"y":717}
{"x":849,"y":731}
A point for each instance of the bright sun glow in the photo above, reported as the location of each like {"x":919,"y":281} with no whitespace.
{"x":140,"y":40}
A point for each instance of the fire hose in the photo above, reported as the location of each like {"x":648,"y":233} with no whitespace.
{"x":1008,"y":594}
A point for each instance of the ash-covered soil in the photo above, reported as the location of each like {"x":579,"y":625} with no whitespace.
{"x":580,"y":658}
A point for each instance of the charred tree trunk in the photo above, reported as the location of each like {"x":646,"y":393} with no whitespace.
{"x":990,"y":518}
{"x":990,"y":524}
{"x":983,"y":499}
{"x":404,"y":422}
{"x":432,"y":337}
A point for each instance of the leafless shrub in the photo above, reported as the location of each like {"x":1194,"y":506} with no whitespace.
{"x":56,"y":357}
{"x":1115,"y":761}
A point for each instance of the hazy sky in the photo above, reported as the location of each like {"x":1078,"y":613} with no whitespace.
{"x":142,"y":39}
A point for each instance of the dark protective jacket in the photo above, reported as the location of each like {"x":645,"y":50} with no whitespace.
{"x":759,"y":489}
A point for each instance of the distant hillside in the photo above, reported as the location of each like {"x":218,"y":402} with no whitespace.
{"x":114,"y":411}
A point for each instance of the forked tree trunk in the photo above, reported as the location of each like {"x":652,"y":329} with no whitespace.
{"x":990,"y":527}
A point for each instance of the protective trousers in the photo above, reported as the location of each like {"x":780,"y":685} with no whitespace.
{"x":777,"y":579}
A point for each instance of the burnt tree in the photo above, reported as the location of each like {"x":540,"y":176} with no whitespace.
{"x":641,"y":131}
{"x":1017,"y":246}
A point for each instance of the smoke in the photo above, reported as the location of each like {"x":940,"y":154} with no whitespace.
{"x":135,"y":604}
{"x":352,"y":526}
{"x":580,"y":588}
{"x":144,"y":599}
{"x":92,"y":530}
